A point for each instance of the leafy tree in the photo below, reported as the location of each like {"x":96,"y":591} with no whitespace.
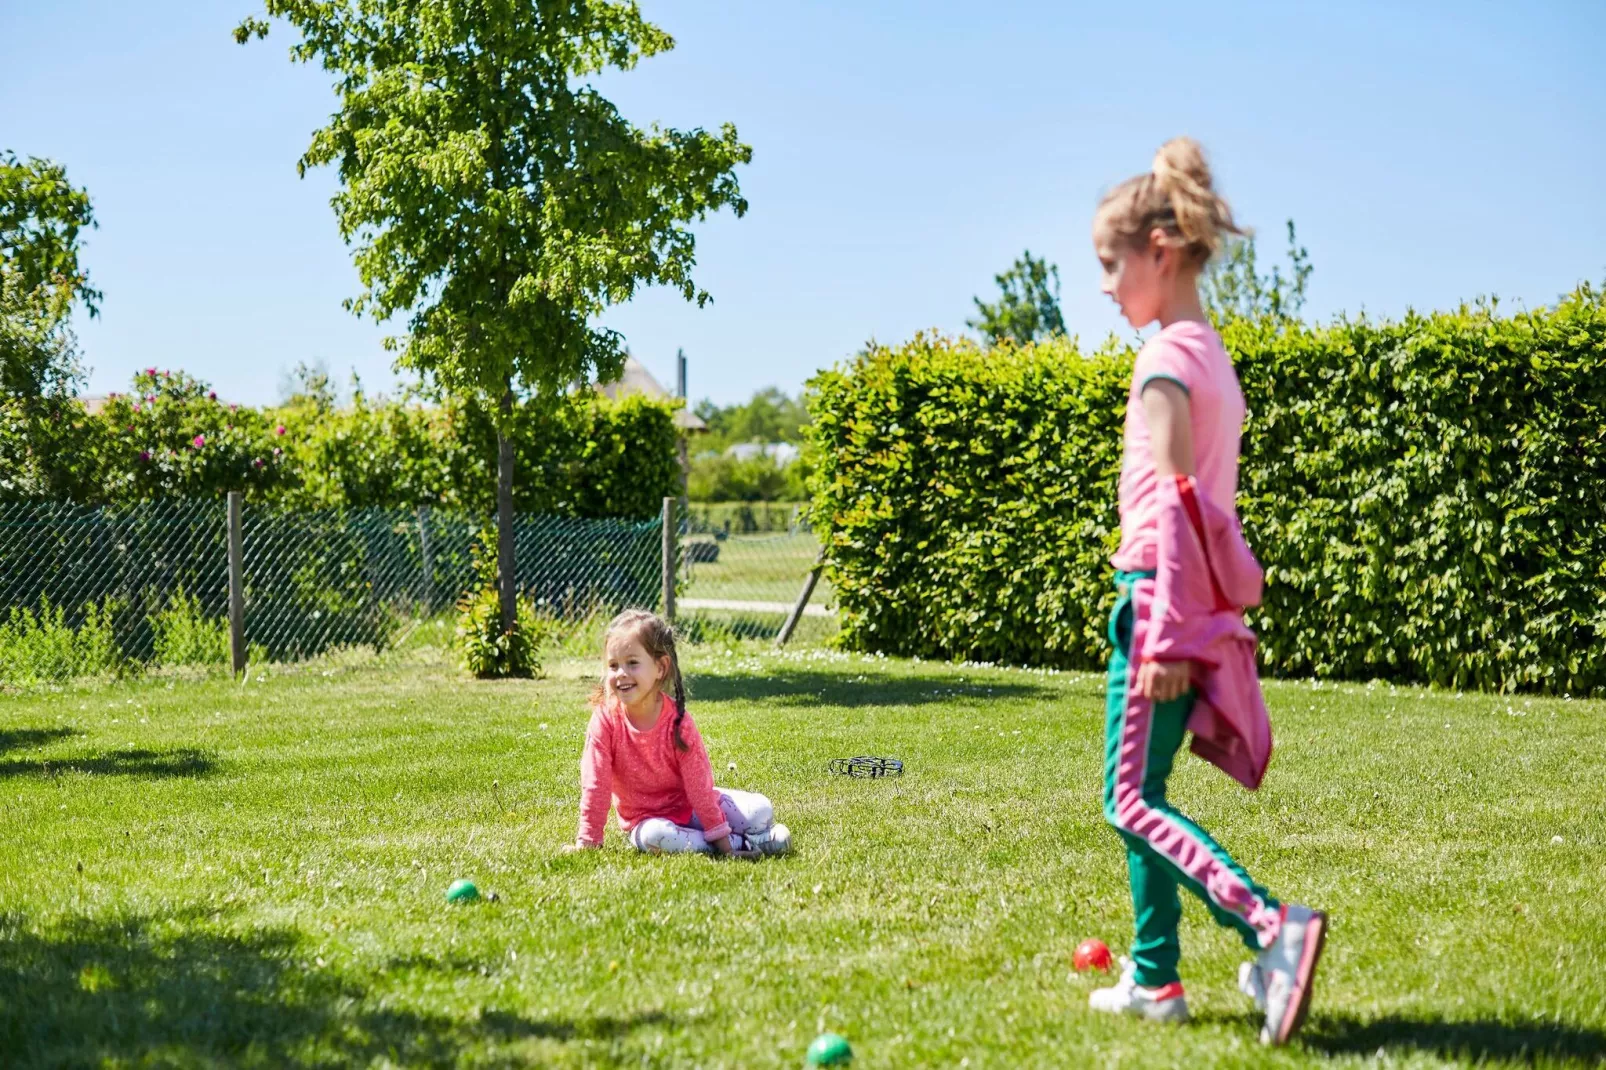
{"x":495,"y":197}
{"x":769,"y":416}
{"x":308,"y":383}
{"x":1028,"y":306}
{"x":41,"y":218}
{"x":1233,"y":288}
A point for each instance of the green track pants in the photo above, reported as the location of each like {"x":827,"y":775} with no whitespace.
{"x":1164,"y":848}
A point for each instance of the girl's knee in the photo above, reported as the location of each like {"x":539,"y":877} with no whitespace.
{"x":747,"y":811}
{"x":658,"y":835}
{"x":760,"y":813}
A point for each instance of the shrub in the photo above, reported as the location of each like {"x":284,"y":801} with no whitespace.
{"x":1425,"y":495}
{"x":173,"y":438}
{"x":182,"y":634}
{"x":485,"y":649}
{"x":967,"y":497}
{"x":42,"y":647}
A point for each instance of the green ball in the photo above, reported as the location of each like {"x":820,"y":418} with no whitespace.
{"x":462,"y":891}
{"x":829,"y":1049}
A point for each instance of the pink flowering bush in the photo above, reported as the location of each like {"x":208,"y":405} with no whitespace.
{"x":181,"y":442}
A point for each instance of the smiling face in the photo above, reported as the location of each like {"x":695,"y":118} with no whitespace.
{"x":631,"y":674}
{"x":1135,"y":275}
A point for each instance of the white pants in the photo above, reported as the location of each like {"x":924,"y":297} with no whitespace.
{"x":747,"y":812}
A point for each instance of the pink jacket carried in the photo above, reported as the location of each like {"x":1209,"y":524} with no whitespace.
{"x":1192,"y":610}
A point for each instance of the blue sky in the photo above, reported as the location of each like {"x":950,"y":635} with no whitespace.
{"x":904,"y":152}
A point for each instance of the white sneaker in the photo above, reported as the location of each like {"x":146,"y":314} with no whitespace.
{"x":1287,"y":968}
{"x":777,"y":841}
{"x":1252,"y":984}
{"x":1166,"y":1004}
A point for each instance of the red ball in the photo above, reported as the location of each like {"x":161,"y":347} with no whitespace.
{"x":1091,"y":955}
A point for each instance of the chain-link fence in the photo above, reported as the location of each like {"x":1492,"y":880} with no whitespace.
{"x":91,"y":590}
{"x":745,"y":586}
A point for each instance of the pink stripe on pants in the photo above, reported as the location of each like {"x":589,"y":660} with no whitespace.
{"x":1176,"y":843}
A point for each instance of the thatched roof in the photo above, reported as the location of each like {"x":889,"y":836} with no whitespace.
{"x":636,"y":379}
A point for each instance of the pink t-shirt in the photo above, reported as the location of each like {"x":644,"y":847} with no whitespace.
{"x":1191,"y":354}
{"x":643,"y":774}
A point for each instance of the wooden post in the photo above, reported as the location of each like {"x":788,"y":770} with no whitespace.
{"x":426,"y":591}
{"x":802,"y":600}
{"x":669,"y":559}
{"x":236,"y":584}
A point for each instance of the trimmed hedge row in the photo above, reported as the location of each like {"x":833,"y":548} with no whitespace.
{"x":1427,"y":496}
{"x":171,"y":438}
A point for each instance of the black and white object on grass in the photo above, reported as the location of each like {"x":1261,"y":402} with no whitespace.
{"x":866,"y":767}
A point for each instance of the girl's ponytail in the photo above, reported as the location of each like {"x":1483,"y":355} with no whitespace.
{"x":680,"y":697}
{"x":1178,"y":198}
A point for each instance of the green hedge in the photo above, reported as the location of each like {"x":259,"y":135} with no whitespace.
{"x":1427,"y":496}
{"x":583,"y":456}
{"x":171,"y":438}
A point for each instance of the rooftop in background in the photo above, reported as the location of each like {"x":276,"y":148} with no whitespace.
{"x":636,"y":379}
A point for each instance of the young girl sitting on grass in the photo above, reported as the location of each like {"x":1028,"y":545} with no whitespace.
{"x":644,"y":755}
{"x":1183,"y":660}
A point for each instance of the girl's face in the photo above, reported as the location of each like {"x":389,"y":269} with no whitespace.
{"x":630,"y":673}
{"x":1135,"y":276}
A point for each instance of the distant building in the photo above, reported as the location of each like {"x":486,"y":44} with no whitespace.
{"x":782,"y":453}
{"x":636,"y":379}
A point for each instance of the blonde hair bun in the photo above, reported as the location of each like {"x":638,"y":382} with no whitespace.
{"x":1178,"y":196}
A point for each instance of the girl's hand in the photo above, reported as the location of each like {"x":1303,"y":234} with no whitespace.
{"x":577,"y":846}
{"x":723,"y":846}
{"x":1162,"y":681}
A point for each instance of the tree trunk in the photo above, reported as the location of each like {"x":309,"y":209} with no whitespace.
{"x":506,"y":585}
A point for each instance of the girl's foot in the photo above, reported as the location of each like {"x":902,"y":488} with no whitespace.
{"x":1252,"y":984}
{"x":1287,"y":969}
{"x":777,"y":841}
{"x":1166,"y":1004}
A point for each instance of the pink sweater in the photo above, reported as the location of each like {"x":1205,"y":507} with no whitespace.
{"x":644,"y":775}
{"x":1192,"y":610}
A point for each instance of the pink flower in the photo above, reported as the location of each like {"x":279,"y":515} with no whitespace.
{"x":131,"y":427}
{"x":257,"y":463}
{"x":230,"y":427}
{"x":151,"y":398}
{"x":279,"y":430}
{"x":277,"y":451}
{"x":234,"y":408}
{"x":136,"y":406}
{"x":211,"y":395}
{"x":150,"y":371}
{"x":144,"y":455}
{"x":200,"y":440}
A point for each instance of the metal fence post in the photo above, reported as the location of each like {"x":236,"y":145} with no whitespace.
{"x":236,"y":584}
{"x":427,"y":590}
{"x":669,"y":559}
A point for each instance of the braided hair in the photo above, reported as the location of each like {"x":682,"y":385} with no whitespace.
{"x":657,"y":638}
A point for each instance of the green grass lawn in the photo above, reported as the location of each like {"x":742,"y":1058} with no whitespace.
{"x":765,"y":568}
{"x":199,"y":873}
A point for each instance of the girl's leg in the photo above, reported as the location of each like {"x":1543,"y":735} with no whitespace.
{"x":658,"y":835}
{"x":1164,"y":847}
{"x":747,"y":811}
